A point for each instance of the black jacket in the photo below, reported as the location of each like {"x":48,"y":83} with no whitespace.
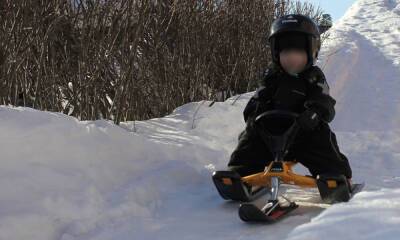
{"x":279,"y":90}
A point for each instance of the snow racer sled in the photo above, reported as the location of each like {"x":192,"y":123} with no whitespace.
{"x":278,"y":137}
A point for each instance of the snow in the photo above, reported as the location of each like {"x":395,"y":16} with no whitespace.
{"x":65,"y":179}
{"x":362,"y":62}
{"x":369,"y":215}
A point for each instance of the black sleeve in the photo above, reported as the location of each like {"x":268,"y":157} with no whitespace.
{"x":262,"y":96}
{"x":250,"y":108}
{"x":318,"y":97}
{"x":256,"y":102}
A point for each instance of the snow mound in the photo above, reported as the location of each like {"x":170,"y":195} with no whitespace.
{"x":369,"y":215}
{"x":361,"y":60}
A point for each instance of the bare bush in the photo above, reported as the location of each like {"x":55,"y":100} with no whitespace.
{"x":131,"y":60}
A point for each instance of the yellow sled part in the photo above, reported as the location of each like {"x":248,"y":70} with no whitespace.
{"x":287,"y":176}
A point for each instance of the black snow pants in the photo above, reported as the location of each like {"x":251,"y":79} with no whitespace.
{"x":317,"y":150}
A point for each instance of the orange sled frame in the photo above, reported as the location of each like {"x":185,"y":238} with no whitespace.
{"x":285,"y":174}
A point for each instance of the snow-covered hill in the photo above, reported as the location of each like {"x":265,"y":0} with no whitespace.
{"x":362,"y":62}
{"x":63,"y":179}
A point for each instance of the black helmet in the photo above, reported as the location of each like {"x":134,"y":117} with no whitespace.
{"x":293,"y":23}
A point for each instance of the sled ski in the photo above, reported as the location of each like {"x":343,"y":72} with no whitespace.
{"x":250,"y":213}
{"x":231,"y":187}
{"x":335,"y":188}
{"x":356,"y":188}
{"x":273,"y":211}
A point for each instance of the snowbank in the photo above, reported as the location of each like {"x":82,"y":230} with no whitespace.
{"x":361,"y":60}
{"x":369,"y":215}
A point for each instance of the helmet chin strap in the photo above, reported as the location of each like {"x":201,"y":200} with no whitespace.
{"x":294,"y":74}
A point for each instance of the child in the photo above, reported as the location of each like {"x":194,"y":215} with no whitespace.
{"x":293,"y":83}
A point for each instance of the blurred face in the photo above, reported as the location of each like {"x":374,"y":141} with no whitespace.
{"x":293,"y":61}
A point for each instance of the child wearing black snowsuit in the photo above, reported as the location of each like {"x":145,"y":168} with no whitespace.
{"x":303,"y":90}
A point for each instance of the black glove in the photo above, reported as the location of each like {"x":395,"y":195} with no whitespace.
{"x":308,"y":120}
{"x":313,"y":74}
